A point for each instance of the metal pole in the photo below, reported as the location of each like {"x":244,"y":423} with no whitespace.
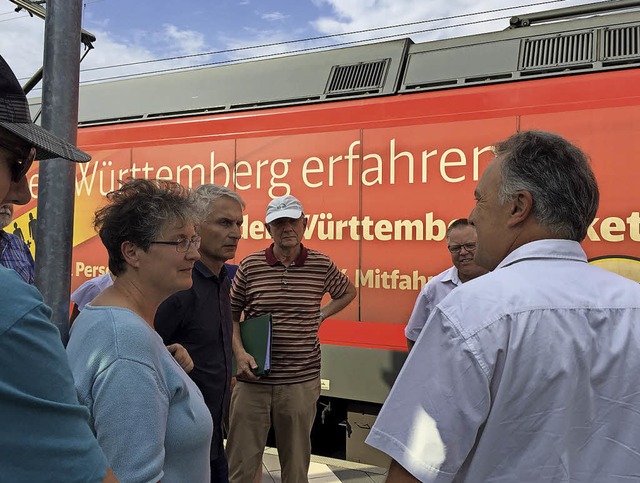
{"x":57,"y":176}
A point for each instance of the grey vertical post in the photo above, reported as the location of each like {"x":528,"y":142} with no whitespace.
{"x":56,"y":184}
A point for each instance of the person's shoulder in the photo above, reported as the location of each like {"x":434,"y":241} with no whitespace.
{"x":444,"y":276}
{"x":316,"y":256}
{"x":101,"y":281}
{"x":231,"y":270}
{"x":254,"y":259}
{"x":10,"y":237}
{"x":17,"y":298}
{"x":260,"y":254}
{"x":97,"y":283}
{"x":612,"y":289}
{"x":116,"y":330}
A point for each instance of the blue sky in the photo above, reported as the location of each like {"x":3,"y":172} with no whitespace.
{"x":131,"y":31}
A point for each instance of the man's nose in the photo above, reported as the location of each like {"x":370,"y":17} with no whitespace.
{"x":18,"y":193}
{"x":236,"y":232}
{"x":192,"y":253}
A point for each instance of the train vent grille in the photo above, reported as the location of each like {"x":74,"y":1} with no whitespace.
{"x":363,"y":76}
{"x":621,"y":43}
{"x":560,"y":51}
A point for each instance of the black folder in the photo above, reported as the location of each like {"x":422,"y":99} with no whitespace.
{"x":256,"y":339}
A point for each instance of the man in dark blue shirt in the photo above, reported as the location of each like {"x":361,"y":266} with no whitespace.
{"x":200,"y":318}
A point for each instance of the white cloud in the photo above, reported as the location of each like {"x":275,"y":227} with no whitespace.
{"x":181,"y":41}
{"x":274,"y":16}
{"x":24,"y":56}
{"x":145,"y":46}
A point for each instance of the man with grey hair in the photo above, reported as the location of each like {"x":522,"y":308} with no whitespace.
{"x":527,"y":373}
{"x":461,"y":243}
{"x":200,"y":318}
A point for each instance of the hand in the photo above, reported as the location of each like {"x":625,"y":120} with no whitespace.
{"x":182,"y":357}
{"x":246,"y":362}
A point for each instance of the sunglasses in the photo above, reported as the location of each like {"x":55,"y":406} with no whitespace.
{"x":22,"y":161}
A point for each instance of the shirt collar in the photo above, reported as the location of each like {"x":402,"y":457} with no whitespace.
{"x":205,"y":272}
{"x":546,"y":249}
{"x":299,"y":261}
{"x":452,"y":276}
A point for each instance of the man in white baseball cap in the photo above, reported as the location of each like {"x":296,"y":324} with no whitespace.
{"x":288,"y":281}
{"x":287,"y":206}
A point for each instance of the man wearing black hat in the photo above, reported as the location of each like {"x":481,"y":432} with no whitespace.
{"x":45,"y":435}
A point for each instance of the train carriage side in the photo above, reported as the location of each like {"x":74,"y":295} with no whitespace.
{"x":383,"y":144}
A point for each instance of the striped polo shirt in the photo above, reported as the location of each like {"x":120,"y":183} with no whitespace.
{"x":292,"y":295}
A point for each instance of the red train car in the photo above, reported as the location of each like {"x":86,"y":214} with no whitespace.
{"x":383,"y":143}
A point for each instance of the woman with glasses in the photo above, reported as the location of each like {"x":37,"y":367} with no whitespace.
{"x":149,"y":417}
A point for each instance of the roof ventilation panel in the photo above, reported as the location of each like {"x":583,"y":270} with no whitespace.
{"x":621,"y":43}
{"x":356,"y":78}
{"x":557,"y":52}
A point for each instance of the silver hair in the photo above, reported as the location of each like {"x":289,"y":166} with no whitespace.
{"x":558,"y":176}
{"x":208,"y":193}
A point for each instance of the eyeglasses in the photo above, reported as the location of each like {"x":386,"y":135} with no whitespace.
{"x":470,"y":247}
{"x":22,"y":161}
{"x":182,"y":245}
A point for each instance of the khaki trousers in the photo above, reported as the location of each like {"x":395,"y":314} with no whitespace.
{"x":291,"y":409}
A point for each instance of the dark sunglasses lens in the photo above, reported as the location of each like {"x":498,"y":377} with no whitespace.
{"x":20,"y":169}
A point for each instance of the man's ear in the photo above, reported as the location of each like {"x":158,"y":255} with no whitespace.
{"x":304,"y":222}
{"x":266,"y":225}
{"x":521,"y":206}
{"x":130,"y":253}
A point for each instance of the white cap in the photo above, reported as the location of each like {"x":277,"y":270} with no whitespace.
{"x":284,"y":207}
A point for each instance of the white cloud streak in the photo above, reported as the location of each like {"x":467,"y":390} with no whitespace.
{"x":274,"y":16}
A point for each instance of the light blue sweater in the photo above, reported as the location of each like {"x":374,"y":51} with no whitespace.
{"x":147,"y":414}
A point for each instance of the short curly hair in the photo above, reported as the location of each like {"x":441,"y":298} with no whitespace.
{"x":138,"y":212}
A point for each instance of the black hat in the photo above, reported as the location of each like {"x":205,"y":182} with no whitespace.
{"x":15,"y":117}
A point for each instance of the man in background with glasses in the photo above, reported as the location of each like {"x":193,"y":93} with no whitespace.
{"x":45,"y":432}
{"x":461,"y":242}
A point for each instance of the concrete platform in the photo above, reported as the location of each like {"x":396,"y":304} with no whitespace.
{"x":325,"y":470}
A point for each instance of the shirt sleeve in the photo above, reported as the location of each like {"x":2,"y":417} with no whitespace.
{"x":439,"y":402}
{"x":45,"y":432}
{"x":419,"y":315}
{"x":85,"y":294}
{"x":126,"y":395}
{"x":238,"y":290}
{"x":336,"y":282}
